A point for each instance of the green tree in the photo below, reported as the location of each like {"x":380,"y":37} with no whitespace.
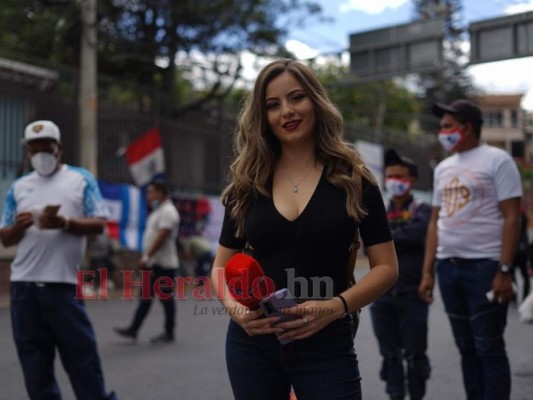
{"x":376,"y":105}
{"x":140,"y":40}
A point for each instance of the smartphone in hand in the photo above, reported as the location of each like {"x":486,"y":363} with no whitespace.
{"x":51,"y":210}
{"x":277,"y":301}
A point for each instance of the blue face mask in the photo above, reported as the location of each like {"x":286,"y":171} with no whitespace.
{"x":154,"y":204}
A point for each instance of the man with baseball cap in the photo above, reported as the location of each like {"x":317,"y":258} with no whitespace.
{"x":41,"y":130}
{"x":472,"y":235}
{"x":400,"y":317}
{"x":47,"y":214}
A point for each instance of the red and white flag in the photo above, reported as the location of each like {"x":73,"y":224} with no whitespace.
{"x":146,"y":158}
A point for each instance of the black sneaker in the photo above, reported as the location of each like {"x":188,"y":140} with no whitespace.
{"x":163,"y":338}
{"x":127,"y":332}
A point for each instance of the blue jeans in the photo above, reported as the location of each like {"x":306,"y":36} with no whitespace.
{"x":44,"y":317}
{"x":400,"y":324}
{"x":169,"y":305}
{"x":478,"y":326}
{"x":323,"y":366}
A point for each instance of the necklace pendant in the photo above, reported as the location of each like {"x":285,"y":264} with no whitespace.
{"x":295,"y":189}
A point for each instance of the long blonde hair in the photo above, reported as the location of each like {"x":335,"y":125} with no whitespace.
{"x":257,"y":148}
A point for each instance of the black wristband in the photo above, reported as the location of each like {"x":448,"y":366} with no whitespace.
{"x":345,"y":304}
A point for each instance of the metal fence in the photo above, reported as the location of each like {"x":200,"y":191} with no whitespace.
{"x":197,"y":145}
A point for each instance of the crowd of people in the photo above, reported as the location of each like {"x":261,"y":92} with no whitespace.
{"x":297,"y":197}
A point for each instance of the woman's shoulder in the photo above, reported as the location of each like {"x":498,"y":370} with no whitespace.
{"x":368,"y":184}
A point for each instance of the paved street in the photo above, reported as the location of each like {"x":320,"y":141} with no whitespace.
{"x":194,"y":367}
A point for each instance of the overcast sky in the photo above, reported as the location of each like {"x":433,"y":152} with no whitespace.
{"x":351,"y":16}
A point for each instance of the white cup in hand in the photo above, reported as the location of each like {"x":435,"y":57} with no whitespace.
{"x":36,"y":212}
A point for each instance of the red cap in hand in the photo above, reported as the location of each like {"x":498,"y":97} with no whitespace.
{"x":246,"y":280}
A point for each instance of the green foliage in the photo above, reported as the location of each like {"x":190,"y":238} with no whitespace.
{"x":40,"y":29}
{"x":133,"y":34}
{"x":235,"y":100}
{"x":374,"y":105}
{"x":527,"y":176}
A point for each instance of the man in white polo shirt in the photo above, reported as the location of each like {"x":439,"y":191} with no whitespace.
{"x":160,"y":255}
{"x":48,"y":214}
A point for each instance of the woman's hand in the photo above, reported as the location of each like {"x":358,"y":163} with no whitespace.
{"x":314,"y":316}
{"x":252,"y":321}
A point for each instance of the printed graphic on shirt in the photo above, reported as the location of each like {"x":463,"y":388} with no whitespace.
{"x":462,"y":196}
{"x":398,"y":216}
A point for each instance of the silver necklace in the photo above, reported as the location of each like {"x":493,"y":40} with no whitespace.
{"x":295,"y":186}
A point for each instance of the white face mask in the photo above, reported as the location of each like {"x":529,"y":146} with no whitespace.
{"x":44,"y":163}
{"x":397,"y":187}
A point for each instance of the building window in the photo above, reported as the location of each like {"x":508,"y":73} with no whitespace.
{"x":514,"y":119}
{"x":518,"y":149}
{"x":493,"y":119}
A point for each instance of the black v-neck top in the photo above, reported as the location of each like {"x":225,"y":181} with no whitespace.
{"x":309,"y":255}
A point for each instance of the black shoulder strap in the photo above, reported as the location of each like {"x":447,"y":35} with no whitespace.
{"x":353,"y":258}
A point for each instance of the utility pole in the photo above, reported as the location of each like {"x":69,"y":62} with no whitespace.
{"x":87,"y":98}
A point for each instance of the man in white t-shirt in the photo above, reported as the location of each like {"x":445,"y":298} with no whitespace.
{"x":161,"y":257}
{"x":48,"y":213}
{"x":198,"y":249}
{"x":473,"y":234}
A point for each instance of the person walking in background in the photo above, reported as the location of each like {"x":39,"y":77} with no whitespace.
{"x":160,"y":256}
{"x":400,"y":317}
{"x":298,"y":196}
{"x":198,"y":249}
{"x":48,"y":214}
{"x":473,"y":235}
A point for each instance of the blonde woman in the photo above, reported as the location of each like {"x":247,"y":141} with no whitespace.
{"x":297,"y":196}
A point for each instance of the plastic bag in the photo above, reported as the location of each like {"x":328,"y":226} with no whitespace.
{"x":526,"y":309}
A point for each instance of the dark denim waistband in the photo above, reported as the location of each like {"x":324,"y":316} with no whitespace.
{"x":459,"y":260}
{"x":43,"y":284}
